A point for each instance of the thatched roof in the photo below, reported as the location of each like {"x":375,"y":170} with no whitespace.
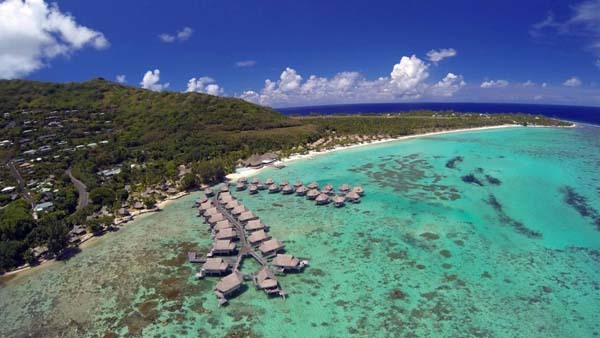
{"x":301,"y":189}
{"x":210,"y":212}
{"x":246,"y":216}
{"x":205,"y":206}
{"x":327,"y":187}
{"x":254,"y":224}
{"x":313,"y":193}
{"x":255,"y":181}
{"x":270,"y":246}
{"x":258,"y":236}
{"x":284,"y":183}
{"x":224,"y":224}
{"x":223,"y":245}
{"x":273,"y":187}
{"x":215,"y":264}
{"x":358,"y":190}
{"x":242,"y":179}
{"x":322,"y":198}
{"x":201,"y":200}
{"x":230,"y":282}
{"x":227,"y":233}
{"x":225,"y":196}
{"x":345,"y":187}
{"x":286,"y":261}
{"x":313,"y":185}
{"x":123,"y":212}
{"x":338,"y":199}
{"x":252,"y":187}
{"x":238,"y":210}
{"x":216,"y":218}
{"x":266,"y":278}
{"x":352,"y":196}
{"x":224,"y":188}
{"x":288,"y":188}
{"x":231,"y":204}
{"x":298,"y":183}
{"x":138,"y":205}
{"x":269,"y":181}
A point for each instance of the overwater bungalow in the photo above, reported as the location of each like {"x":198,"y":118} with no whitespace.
{"x":213,"y":266}
{"x":247,"y":216}
{"x":265,"y":280}
{"x":344,"y":188}
{"x":283,"y":183}
{"x":205,"y":206}
{"x":312,"y":194}
{"x":225,"y":196}
{"x":216,"y":218}
{"x":231,"y":204}
{"x":359,"y":190}
{"x":287,"y":190}
{"x":209,"y":192}
{"x":240,"y":186}
{"x":313,"y":185}
{"x":258,"y":237}
{"x":253,"y":189}
{"x":269,"y":181}
{"x":327,"y":189}
{"x":322,"y":199}
{"x":288,"y":263}
{"x":242,"y":179}
{"x":224,"y":188}
{"x":301,"y":190}
{"x":255,"y":181}
{"x":353,"y":197}
{"x":338,"y":201}
{"x":201,"y":200}
{"x":270,"y":247}
{"x":255,"y":225}
{"x":222,"y":247}
{"x":298,"y":183}
{"x":273,"y":188}
{"x":238,"y":210}
{"x":227,"y":233}
{"x":224,"y":224}
{"x":210,"y":212}
{"x":228,"y":285}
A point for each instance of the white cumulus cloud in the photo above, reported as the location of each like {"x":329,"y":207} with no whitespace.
{"x":438,"y":55}
{"x":32,"y":33}
{"x":494,"y":84}
{"x":181,"y":35}
{"x":449,"y":85}
{"x":406,"y":81}
{"x":121,"y":79}
{"x":528,"y":83}
{"x":151,"y":81}
{"x":572,"y":82}
{"x":205,"y":85}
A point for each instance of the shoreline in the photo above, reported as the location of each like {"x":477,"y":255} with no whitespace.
{"x":311,"y":154}
{"x":89,"y":238}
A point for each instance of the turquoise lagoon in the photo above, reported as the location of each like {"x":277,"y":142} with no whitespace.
{"x":476,"y":234}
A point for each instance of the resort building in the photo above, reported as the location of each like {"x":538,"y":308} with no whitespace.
{"x":253,"y":189}
{"x":313,"y":185}
{"x":265,"y":280}
{"x":284,"y":183}
{"x":322,"y":199}
{"x":258,"y":237}
{"x":216,"y":218}
{"x":338,"y":201}
{"x":238,"y":210}
{"x":247,"y":216}
{"x":273,"y":188}
{"x":228,"y":285}
{"x":269,"y":181}
{"x":224,"y":224}
{"x":270,"y":247}
{"x":227,"y":233}
{"x":222,"y":247}
{"x":240,"y":186}
{"x":214,"y":266}
{"x":353,"y":197}
{"x":288,"y":262}
{"x":298,"y":183}
{"x":359,"y":190}
{"x":312,"y":194}
{"x":255,"y":181}
{"x":345,"y":188}
{"x":255,"y":225}
{"x":301,"y":190}
{"x":287,"y":190}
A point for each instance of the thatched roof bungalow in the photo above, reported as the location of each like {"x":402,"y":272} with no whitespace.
{"x":273,"y":188}
{"x":242,"y":179}
{"x":359,"y":190}
{"x":284,"y":183}
{"x":214,"y":266}
{"x":255,"y":181}
{"x":216,"y":218}
{"x":322,"y":199}
{"x":210,"y":212}
{"x":223,"y":247}
{"x":255,"y":225}
{"x":344,"y":188}
{"x":247,"y":216}
{"x":240,"y":186}
{"x":313,"y":185}
{"x":209,"y":192}
{"x":224,"y":188}
{"x":298,"y":183}
{"x":288,"y":262}
{"x":224,"y":224}
{"x":269,"y":181}
{"x":253,"y":189}
{"x":227,"y":233}
{"x":230,"y":283}
{"x":312,"y":194}
{"x":238,"y":210}
{"x":258,"y":236}
{"x":338,"y":201}
{"x":265,"y":280}
{"x":287,"y":190}
{"x":353,"y":197}
{"x":270,"y":247}
{"x":327,"y":189}
{"x":123,"y":212}
{"x":301,"y":190}
{"x":206,"y":205}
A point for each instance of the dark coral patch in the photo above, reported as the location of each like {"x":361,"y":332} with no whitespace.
{"x":471,"y":179}
{"x":453,"y":161}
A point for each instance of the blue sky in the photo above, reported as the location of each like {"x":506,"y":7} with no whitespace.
{"x":358,"y":51}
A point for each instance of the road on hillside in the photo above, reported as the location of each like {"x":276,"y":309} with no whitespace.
{"x":20,"y":183}
{"x":82,"y":200}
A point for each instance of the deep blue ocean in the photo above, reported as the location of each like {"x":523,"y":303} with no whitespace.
{"x":571,"y":113}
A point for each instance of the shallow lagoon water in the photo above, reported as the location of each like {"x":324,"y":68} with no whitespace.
{"x":489,"y":233}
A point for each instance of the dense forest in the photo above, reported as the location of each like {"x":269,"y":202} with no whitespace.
{"x":94,"y":126}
